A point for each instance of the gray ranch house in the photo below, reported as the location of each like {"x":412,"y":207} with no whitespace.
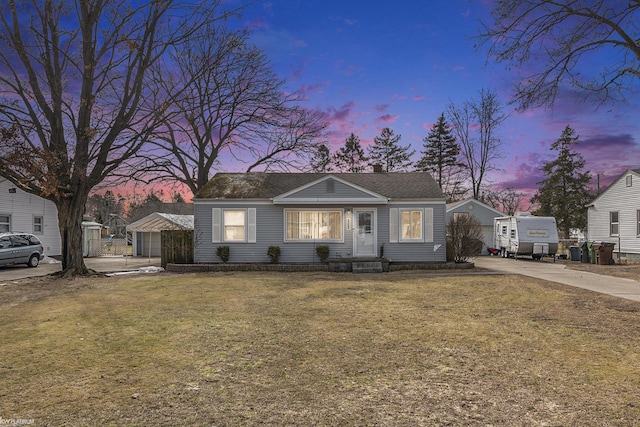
{"x":400,"y":216}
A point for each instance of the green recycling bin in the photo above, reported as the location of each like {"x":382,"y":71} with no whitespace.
{"x":592,"y":254}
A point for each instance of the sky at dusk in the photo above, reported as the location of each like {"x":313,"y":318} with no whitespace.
{"x":369,"y":65}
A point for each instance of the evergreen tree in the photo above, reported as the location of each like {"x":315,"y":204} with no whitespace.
{"x":564,"y":192}
{"x":350,"y":158}
{"x":386,"y":152}
{"x":321,"y":159}
{"x":440,"y":158}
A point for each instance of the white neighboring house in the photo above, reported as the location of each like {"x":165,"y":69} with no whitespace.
{"x":483,"y":213}
{"x":28,"y":213}
{"x":146,"y":231}
{"x":614,"y":216}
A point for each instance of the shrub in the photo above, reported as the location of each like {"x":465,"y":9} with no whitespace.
{"x":464,"y":238}
{"x":323,"y":252}
{"x":274,"y":254}
{"x":223,"y":253}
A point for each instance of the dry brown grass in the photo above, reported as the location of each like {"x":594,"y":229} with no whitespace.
{"x":317,"y":349}
{"x":627,"y":271}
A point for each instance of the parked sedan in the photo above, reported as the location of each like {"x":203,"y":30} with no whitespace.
{"x":20,"y":248}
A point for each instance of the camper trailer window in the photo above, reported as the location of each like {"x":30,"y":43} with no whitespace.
{"x":614,"y":223}
{"x":513,"y":233}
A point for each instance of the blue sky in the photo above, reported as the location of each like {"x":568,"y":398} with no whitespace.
{"x":369,"y":65}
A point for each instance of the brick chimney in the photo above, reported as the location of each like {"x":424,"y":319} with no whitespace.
{"x":377,"y":168}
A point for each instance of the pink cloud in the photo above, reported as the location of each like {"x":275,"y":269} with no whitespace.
{"x":381,"y":108}
{"x":418,"y":97}
{"x":398,"y":97}
{"x":457,"y":68}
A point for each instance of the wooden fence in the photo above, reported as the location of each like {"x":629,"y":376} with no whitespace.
{"x":176,"y":247}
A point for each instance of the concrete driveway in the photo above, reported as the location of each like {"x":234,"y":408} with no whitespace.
{"x":556,"y":272}
{"x":104,"y":264}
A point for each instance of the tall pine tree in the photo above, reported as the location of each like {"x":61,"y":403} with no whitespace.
{"x":440,"y":158}
{"x":564,"y":192}
{"x":386,"y":152}
{"x":350,"y":157}
{"x":321,"y":159}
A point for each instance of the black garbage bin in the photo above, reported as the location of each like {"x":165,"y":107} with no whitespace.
{"x":574,"y":253}
{"x":584,"y":253}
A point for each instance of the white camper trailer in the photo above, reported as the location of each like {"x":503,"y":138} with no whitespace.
{"x":525,"y":234}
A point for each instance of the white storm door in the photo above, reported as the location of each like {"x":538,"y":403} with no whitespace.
{"x":364,"y":236}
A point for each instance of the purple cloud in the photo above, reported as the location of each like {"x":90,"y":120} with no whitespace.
{"x":387,"y":118}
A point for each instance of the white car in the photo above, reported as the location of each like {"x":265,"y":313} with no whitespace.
{"x":20,"y":248}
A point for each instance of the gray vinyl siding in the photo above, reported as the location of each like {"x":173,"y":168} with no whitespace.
{"x":626,"y":201}
{"x":270,"y":225}
{"x":269,"y":231}
{"x":323,"y":190}
{"x":414,"y":251}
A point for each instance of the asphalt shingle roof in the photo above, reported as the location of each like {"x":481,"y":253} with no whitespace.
{"x":262,"y":185}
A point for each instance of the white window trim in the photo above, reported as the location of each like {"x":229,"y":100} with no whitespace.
{"x":395,"y":225}
{"x":217,"y":225}
{"x":8,"y":224}
{"x":342,"y":225}
{"x":420,"y":239}
{"x":41,"y":224}
{"x":611,"y":233}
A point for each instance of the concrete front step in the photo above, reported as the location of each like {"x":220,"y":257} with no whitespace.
{"x":366,"y":267}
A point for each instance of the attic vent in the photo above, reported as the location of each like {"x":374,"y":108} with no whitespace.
{"x":629,"y":182}
{"x":330,"y":186}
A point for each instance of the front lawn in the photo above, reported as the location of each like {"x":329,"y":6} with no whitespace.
{"x":317,"y":349}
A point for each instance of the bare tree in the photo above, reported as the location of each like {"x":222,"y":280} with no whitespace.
{"x":562,"y":42}
{"x":476,"y":126}
{"x":228,"y":101}
{"x":464,"y":237}
{"x":507,"y":200}
{"x":73,"y":76}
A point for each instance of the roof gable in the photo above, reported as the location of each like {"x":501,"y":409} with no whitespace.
{"x":468,"y":204}
{"x":158,"y":221}
{"x":633,"y":172}
{"x":329,"y":190}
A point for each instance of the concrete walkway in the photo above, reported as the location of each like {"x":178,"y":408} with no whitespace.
{"x":556,"y":272}
{"x":105,"y":264}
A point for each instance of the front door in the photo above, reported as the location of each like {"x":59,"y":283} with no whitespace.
{"x":364,"y":236}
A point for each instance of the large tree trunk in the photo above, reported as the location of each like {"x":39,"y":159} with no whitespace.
{"x":70,"y":212}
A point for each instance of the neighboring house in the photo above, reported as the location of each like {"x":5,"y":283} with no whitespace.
{"x":614,"y":216}
{"x":24,"y":212}
{"x":146,"y":231}
{"x":483,"y":213}
{"x":400,"y":216}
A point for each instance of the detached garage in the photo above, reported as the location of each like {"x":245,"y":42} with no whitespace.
{"x":145,"y":232}
{"x":483,"y":213}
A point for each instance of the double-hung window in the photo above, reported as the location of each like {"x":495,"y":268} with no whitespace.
{"x":614,"y":223}
{"x":234,"y":225}
{"x":313,"y":225}
{"x":638,"y":222}
{"x":38,"y":225}
{"x":5,"y":223}
{"x":411,"y":224}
